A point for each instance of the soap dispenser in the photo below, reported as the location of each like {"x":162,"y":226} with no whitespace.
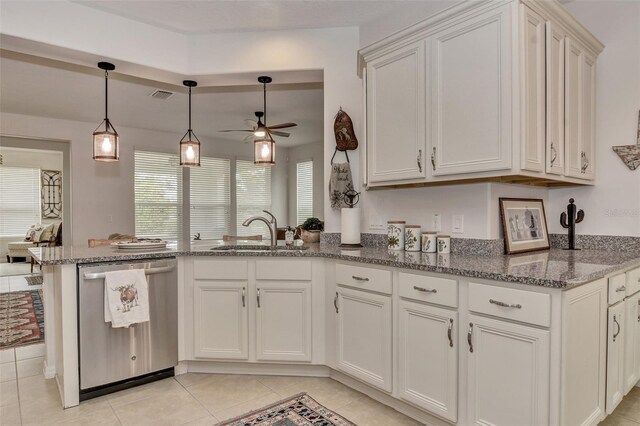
{"x":288,"y":236}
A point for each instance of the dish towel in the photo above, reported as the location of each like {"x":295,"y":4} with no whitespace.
{"x":126,"y":297}
{"x":339,"y":183}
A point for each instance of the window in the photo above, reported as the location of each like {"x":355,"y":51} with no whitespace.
{"x":304,"y":191}
{"x":19,"y":200}
{"x":158,"y":195}
{"x":210,"y":198}
{"x":253,"y":194}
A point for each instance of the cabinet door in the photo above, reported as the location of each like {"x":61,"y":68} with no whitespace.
{"x":283,"y":321}
{"x":555,"y":99}
{"x":533,"y":57}
{"x":428,"y":364}
{"x":220,"y":316}
{"x":508,"y":382}
{"x":364,"y":336}
{"x":396,"y":118}
{"x":579,"y":111}
{"x":471,"y":95}
{"x":632,"y":342}
{"x":615,"y":356}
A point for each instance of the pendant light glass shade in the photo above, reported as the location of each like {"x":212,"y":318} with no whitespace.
{"x":106,"y":142}
{"x":264,"y":151}
{"x":189,"y":144}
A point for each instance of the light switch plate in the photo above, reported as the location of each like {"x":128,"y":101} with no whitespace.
{"x":437,"y":222}
{"x":457,"y":224}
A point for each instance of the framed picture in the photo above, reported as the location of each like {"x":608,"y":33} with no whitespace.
{"x":524,"y":223}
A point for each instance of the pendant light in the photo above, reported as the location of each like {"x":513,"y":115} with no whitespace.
{"x":189,"y":144}
{"x":264,"y":152}
{"x":106,"y":143}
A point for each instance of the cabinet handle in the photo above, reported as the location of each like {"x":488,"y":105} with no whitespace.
{"x":335,"y":303}
{"x":258,"y":298}
{"x":425,"y":290}
{"x":554,"y":154}
{"x":506,"y":305}
{"x":615,"y":322}
{"x":469,"y":337}
{"x":433,"y":158}
{"x":585,"y":162}
{"x":420,"y":160}
{"x":357,"y":278}
{"x":621,"y":288}
{"x":449,"y":332}
{"x":243,"y":295}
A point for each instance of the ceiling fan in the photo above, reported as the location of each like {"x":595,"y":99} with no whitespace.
{"x":259,"y":129}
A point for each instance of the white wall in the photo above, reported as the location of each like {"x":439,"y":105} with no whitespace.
{"x":310,"y":151}
{"x":612,"y":207}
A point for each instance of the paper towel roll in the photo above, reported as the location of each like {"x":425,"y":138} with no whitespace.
{"x":350,"y":226}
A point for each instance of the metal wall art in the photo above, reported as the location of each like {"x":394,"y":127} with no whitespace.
{"x":630,"y":154}
{"x":51,"y":188}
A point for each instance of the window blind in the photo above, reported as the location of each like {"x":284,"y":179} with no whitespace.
{"x":19,"y":200}
{"x":158,"y":195}
{"x":304,"y":191}
{"x":253,"y":194}
{"x":210,"y":198}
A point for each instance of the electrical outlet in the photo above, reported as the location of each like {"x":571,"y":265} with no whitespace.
{"x":376,"y":223}
{"x":457,"y":225}
{"x":109,"y":218}
{"x":436,"y":224}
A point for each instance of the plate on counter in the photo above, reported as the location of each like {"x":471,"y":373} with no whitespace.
{"x":140,"y":245}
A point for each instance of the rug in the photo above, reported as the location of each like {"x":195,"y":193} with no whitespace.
{"x":21,"y":318}
{"x":34,"y":279}
{"x":298,"y":410}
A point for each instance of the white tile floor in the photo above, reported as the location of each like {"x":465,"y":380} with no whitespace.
{"x":189,"y":399}
{"x":16,"y":283}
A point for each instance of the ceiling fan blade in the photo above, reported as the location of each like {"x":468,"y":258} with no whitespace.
{"x":236,"y":130}
{"x":282,"y":125}
{"x":247,"y":138}
{"x":251,"y":123}
{"x":277,"y":133}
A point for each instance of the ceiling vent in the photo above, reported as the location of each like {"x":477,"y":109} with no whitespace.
{"x":163,"y":95}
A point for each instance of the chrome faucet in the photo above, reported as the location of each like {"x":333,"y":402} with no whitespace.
{"x":272,"y":224}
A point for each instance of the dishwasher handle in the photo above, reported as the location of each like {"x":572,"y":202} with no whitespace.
{"x":150,"y":271}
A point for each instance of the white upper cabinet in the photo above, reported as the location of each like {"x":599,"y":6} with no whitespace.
{"x":471,"y":95}
{"x":533,"y":111}
{"x":579,"y":111}
{"x":555,"y":99}
{"x":483,"y":91}
{"x":396,"y":114}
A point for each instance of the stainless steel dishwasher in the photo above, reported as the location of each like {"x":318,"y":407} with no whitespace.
{"x":112,"y":359}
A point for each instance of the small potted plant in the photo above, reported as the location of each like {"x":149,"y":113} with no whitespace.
{"x":311,"y":229}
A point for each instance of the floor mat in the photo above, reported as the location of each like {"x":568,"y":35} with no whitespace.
{"x":21,"y":318}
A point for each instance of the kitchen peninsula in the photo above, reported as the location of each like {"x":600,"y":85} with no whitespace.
{"x":507,"y":328}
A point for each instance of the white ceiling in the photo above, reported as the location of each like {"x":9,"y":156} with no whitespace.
{"x":202,"y":17}
{"x":75,"y":94}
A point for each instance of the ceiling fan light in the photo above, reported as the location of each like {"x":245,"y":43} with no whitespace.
{"x":264,"y":151}
{"x":260,"y":132}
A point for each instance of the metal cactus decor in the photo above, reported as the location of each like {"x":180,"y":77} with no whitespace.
{"x":569,"y":219}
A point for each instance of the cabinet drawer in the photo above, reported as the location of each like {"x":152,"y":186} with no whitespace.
{"x":441,"y":291}
{"x":364,"y":278}
{"x":617,"y":288}
{"x":633,"y":281}
{"x":521,"y":305}
{"x":219,"y":269}
{"x":294,"y":270}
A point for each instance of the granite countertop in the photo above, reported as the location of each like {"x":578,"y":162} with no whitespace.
{"x":554,"y":268}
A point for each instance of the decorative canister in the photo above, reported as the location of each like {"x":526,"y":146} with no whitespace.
{"x":395,"y":234}
{"x":429,"y":242}
{"x":412,"y":238}
{"x":443,"y":260}
{"x":444,"y":244}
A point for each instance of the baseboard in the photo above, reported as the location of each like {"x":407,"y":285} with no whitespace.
{"x":220,"y":367}
{"x":388,"y":400}
{"x":49,"y":371}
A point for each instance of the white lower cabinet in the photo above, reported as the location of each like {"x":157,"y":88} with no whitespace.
{"x":220,"y":319}
{"x":632,"y":342}
{"x":428,"y":358}
{"x":615,"y":356}
{"x":364,"y":343}
{"x":283,"y":321}
{"x":508,"y":373}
